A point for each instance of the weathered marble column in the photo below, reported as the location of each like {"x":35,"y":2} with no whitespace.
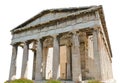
{"x":97,"y":57}
{"x":13,"y":63}
{"x":68,"y":63}
{"x":76,"y":60}
{"x":38,"y":72}
{"x":56,"y":57}
{"x":45,"y":52}
{"x":25,"y":60}
{"x":34,"y":65}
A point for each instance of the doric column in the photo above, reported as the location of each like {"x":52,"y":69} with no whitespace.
{"x":45,"y":52}
{"x":76,"y":60}
{"x":68,"y":63}
{"x":13,"y":63}
{"x":97,"y":57}
{"x":25,"y":60}
{"x":56,"y":57}
{"x":38,"y":72}
{"x":34,"y":65}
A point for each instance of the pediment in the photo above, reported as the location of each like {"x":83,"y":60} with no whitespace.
{"x":48,"y":17}
{"x":51,"y":14}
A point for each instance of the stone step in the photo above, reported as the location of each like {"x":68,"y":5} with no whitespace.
{"x":108,"y":81}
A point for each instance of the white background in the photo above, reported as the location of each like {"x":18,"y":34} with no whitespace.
{"x":15,"y":12}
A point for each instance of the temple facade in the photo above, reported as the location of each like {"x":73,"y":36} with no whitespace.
{"x":69,"y":44}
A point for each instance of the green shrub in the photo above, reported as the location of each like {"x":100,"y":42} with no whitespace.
{"x":22,"y":80}
{"x":53,"y":81}
{"x":93,"y":81}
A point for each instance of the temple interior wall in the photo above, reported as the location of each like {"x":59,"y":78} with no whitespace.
{"x":49,"y":63}
{"x":90,"y":66}
{"x":63,"y":62}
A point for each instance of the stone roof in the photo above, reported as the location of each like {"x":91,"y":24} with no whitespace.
{"x":80,"y":9}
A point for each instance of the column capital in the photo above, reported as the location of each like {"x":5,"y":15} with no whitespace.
{"x":68,"y":43}
{"x":74,"y":31}
{"x":27,"y":42}
{"x":96,"y":28}
{"x":75,"y":39}
{"x":15,"y":44}
{"x":40,"y":39}
{"x":96,"y":31}
{"x":55,"y":35}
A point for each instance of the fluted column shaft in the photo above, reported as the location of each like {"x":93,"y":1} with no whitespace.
{"x":25,"y":60}
{"x":34,"y":65}
{"x":97,"y":57}
{"x":68,"y":62}
{"x":56,"y":57}
{"x":45,"y":52}
{"x":38,"y":72}
{"x":76,"y":61}
{"x":13,"y":63}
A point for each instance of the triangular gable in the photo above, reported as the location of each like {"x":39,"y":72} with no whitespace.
{"x":51,"y":14}
{"x":48,"y":17}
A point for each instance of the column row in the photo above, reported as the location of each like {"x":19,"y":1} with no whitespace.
{"x":76,"y":59}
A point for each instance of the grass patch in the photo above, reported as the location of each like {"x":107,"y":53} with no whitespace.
{"x":53,"y":81}
{"x":94,"y":81}
{"x":22,"y":80}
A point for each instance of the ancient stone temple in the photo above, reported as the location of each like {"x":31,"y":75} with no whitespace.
{"x":69,"y":44}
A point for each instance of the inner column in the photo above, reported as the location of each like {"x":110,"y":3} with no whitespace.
{"x":34,"y":65}
{"x":69,"y":66}
{"x":45,"y":54}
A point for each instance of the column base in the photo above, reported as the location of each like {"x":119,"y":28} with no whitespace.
{"x":43,"y":81}
{"x":107,"y":81}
